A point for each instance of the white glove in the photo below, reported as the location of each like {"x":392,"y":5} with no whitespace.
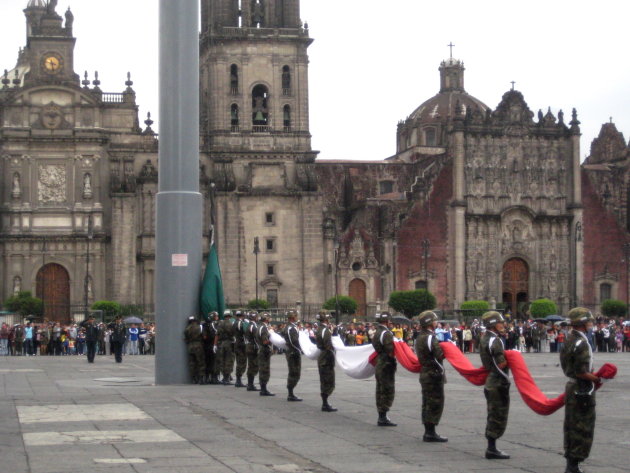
{"x":214,"y":349}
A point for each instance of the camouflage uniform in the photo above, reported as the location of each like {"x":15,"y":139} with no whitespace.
{"x":293,"y":355}
{"x":209,"y":333}
{"x":431,"y":357}
{"x":226,"y":348}
{"x":194,"y":343}
{"x":497,"y":387}
{"x":239,"y":349}
{"x":383,"y":343}
{"x":264,"y":357}
{"x":326,"y":360}
{"x":579,"y":411}
{"x":251,"y":350}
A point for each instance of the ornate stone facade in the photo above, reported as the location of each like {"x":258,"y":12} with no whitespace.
{"x":477,"y":203}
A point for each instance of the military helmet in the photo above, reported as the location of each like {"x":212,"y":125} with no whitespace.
{"x":580,"y":315}
{"x":227,"y":313}
{"x":291,"y":314}
{"x":252,"y":315}
{"x":214,"y":314}
{"x":385,"y":317}
{"x":323,"y":315}
{"x":492,"y":318}
{"x":427,"y":318}
{"x":239,"y":313}
{"x":264,"y":317}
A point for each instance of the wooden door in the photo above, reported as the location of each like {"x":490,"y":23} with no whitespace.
{"x":53,"y":287}
{"x":358,"y":293}
{"x":515,"y":284}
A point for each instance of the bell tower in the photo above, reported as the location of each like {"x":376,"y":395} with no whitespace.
{"x":50,"y":44}
{"x":254,"y":78}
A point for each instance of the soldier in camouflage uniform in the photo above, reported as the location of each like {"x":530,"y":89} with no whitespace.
{"x":194,"y":344}
{"x":264,"y":354}
{"x":225,"y":336}
{"x":383,"y":343}
{"x":432,"y":378}
{"x":293,"y":354}
{"x":238,"y":329}
{"x":497,"y":387}
{"x":251,"y":350}
{"x":576,"y":359}
{"x":209,"y":333}
{"x":326,"y":360}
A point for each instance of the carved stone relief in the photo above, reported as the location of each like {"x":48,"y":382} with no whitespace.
{"x":51,"y":186}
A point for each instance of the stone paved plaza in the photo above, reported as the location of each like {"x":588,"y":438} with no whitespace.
{"x":63,"y":415}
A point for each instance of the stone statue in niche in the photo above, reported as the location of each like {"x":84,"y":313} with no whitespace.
{"x":17,"y":285}
{"x":87,"y":185}
{"x":16,"y":191}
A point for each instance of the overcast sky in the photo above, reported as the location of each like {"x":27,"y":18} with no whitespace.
{"x":371,"y":66}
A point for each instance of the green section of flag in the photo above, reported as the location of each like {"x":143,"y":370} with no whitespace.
{"x":211,"y":297}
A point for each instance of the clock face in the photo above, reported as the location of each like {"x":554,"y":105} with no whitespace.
{"x":52,"y":63}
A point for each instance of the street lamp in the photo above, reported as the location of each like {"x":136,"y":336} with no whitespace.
{"x":626,"y":253}
{"x":336,"y":254}
{"x":256,"y":251}
{"x":426,"y":246}
{"x":86,"y":283}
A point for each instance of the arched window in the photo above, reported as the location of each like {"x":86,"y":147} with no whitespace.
{"x":430,"y":137}
{"x":286,"y":118}
{"x":260,"y":108}
{"x":421,"y":285}
{"x":605,"y":292}
{"x":286,"y":80}
{"x":234,"y":79}
{"x":234,"y":118}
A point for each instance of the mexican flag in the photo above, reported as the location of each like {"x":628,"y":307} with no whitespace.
{"x":211,"y":296}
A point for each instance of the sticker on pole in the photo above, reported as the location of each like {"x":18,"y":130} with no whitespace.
{"x":179,"y":259}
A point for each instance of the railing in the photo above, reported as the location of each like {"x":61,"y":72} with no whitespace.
{"x":234,"y":91}
{"x":235,"y":129}
{"x":287,"y":129}
{"x":113,"y":97}
{"x":261,"y":129}
{"x":286,"y":92}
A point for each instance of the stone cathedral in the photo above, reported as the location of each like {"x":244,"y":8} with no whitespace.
{"x":475,"y":203}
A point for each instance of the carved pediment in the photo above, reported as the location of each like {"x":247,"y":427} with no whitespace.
{"x":513,"y":113}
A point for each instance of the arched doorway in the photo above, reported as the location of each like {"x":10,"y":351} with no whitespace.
{"x":53,"y":287}
{"x":515,"y":285}
{"x":357,"y":292}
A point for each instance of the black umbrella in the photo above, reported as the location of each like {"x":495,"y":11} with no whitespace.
{"x":554,"y":318}
{"x":133,"y":320}
{"x":401,"y":319}
{"x":542,"y":321}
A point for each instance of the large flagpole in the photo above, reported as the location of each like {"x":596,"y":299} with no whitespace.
{"x":179,"y":203}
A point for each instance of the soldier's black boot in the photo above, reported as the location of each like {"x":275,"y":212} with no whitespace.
{"x":250,"y":384}
{"x":430,"y":435}
{"x":214,"y":379}
{"x":383,"y":420}
{"x":195,"y":380}
{"x":239,"y":383}
{"x":573,"y":466}
{"x":226,"y":381}
{"x":292,"y":397}
{"x":325,"y":406}
{"x":202,"y":380}
{"x":263,"y":390}
{"x":492,"y":453}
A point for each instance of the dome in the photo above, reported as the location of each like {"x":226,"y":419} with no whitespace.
{"x":427,"y":124}
{"x":36,"y":4}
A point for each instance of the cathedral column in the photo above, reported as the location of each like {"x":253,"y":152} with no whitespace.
{"x":459,"y":217}
{"x":124,"y":249}
{"x":576,"y":210}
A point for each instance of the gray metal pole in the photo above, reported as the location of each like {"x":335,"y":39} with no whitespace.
{"x":179,"y":203}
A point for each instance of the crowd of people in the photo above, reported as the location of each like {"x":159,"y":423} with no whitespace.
{"x":53,"y":338}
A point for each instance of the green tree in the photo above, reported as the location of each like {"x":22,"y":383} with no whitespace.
{"x":24,"y":304}
{"x":258,"y":304}
{"x":614,"y":308}
{"x":110,"y":309}
{"x":474,"y":309}
{"x":411,"y":303}
{"x":542,"y":308}
{"x":347,"y":305}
